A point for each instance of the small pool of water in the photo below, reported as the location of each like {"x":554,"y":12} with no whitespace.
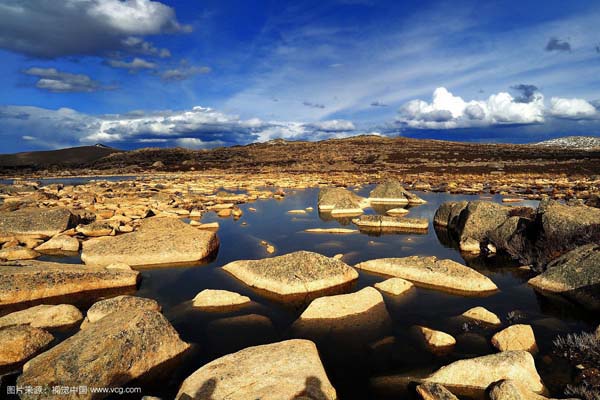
{"x":350,"y":370}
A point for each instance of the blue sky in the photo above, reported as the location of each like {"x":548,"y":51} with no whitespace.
{"x":209,"y":73}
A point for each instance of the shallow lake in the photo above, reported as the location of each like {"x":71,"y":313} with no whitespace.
{"x":350,"y":369}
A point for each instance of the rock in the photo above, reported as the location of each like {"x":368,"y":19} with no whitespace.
{"x":120,"y":304}
{"x":508,"y":389}
{"x":361,"y":314}
{"x":339,"y":199}
{"x":392,"y":192}
{"x":397,"y":212}
{"x":18,"y":253}
{"x":515,"y":337}
{"x":44,"y":316}
{"x":295,"y":274}
{"x":290,"y":369}
{"x":224,"y":213}
{"x":22,"y":281}
{"x":61,"y":243}
{"x":219,"y":300}
{"x":394,"y":286}
{"x":156,"y":241}
{"x":331,"y":230}
{"x":476,"y":220}
{"x":297,"y":211}
{"x":437,"y":342}
{"x":433,"y":391}
{"x":109,"y":353}
{"x":575,"y":275}
{"x":21,"y":342}
{"x":471,"y":377}
{"x":96,"y":229}
{"x":46,"y":222}
{"x":480,"y":314}
{"x":121,"y":266}
{"x":388,"y":223}
{"x":214,"y":226}
{"x":448,"y":213}
{"x":431,"y":272}
{"x":158,"y":164}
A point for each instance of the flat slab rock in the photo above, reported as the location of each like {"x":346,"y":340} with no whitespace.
{"x":109,"y":353}
{"x":156,"y":241}
{"x":290,"y":369}
{"x":432,"y":272}
{"x":386,"y":222}
{"x":293,"y":274}
{"x":22,"y":281}
{"x":44,"y":316}
{"x":41,"y":221}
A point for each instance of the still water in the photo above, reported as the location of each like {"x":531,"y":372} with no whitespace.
{"x":350,"y":370}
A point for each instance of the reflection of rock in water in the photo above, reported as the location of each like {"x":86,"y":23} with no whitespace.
{"x":230,"y":334}
{"x":445,"y":237}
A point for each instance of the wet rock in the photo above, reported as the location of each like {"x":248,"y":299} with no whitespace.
{"x":18,"y":253}
{"x":219,"y":300}
{"x":434,"y":391}
{"x":109,"y":353}
{"x":46,"y":222}
{"x":437,"y":342}
{"x":431,"y":272}
{"x":392,"y":192}
{"x":157,"y":241}
{"x":473,"y":376}
{"x":60,"y":243}
{"x":575,"y":275}
{"x":389,"y":223}
{"x":286,"y":370}
{"x":22,"y":281}
{"x":340,"y":199}
{"x":515,"y":337}
{"x":394,"y":286}
{"x":295,"y":274}
{"x":120,"y":304}
{"x":44,"y":316}
{"x":480,"y":314}
{"x":21,"y":342}
{"x":361,"y":314}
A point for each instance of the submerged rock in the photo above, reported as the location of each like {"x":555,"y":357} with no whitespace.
{"x":22,"y":281}
{"x":157,"y":241}
{"x":44,"y":316}
{"x":473,"y":376}
{"x":286,"y":370}
{"x":295,"y":274}
{"x":46,"y":222}
{"x":215,"y":300}
{"x":21,"y":342}
{"x":109,"y":353}
{"x":392,"y":192}
{"x":431,"y":272}
{"x":515,"y":337}
{"x":575,"y":275}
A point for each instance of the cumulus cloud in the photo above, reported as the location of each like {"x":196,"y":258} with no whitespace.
{"x":555,"y":44}
{"x":52,"y":29}
{"x":134,"y":65}
{"x":198,"y":127}
{"x":447,"y":111}
{"x":184,"y":72}
{"x":57,"y":81}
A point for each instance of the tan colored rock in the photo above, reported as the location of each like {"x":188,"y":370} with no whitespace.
{"x":471,"y":377}
{"x":157,"y":241}
{"x":219,"y":300}
{"x":21,"y":342}
{"x":437,"y":342}
{"x":121,"y":266}
{"x":96,"y":229}
{"x":331,"y":230}
{"x":294,"y":274}
{"x":224,"y":213}
{"x":109,"y":353}
{"x":297,"y":212}
{"x":286,"y":370}
{"x":18,"y":253}
{"x":431,"y":272}
{"x":394,"y":286}
{"x":480,"y":314}
{"x":508,"y":389}
{"x":44,"y":316}
{"x":392,"y":192}
{"x":60,"y":242}
{"x":46,"y":222}
{"x":47,"y":279}
{"x":434,"y":391}
{"x":515,"y":337}
{"x":397,"y":212}
{"x":209,"y":226}
{"x":120,"y":304}
{"x":384,"y":222}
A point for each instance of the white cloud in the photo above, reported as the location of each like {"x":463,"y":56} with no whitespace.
{"x":184,"y":72}
{"x":134,"y":65}
{"x":57,"y":81}
{"x":572,"y":108}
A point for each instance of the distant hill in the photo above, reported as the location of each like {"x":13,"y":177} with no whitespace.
{"x":72,"y":156}
{"x":573,"y":142}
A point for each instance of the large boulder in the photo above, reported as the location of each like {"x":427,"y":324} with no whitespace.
{"x":156,"y":241}
{"x":37,"y":221}
{"x":515,"y":337}
{"x":19,"y":343}
{"x":473,"y":376}
{"x":392,"y":192}
{"x":294,"y":275}
{"x":575,"y":275}
{"x":476,"y":220}
{"x":109,"y":353}
{"x":431,"y":272}
{"x":44,"y":316}
{"x":447,"y":213}
{"x":286,"y":370}
{"x":22,"y":281}
{"x":337,"y":198}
